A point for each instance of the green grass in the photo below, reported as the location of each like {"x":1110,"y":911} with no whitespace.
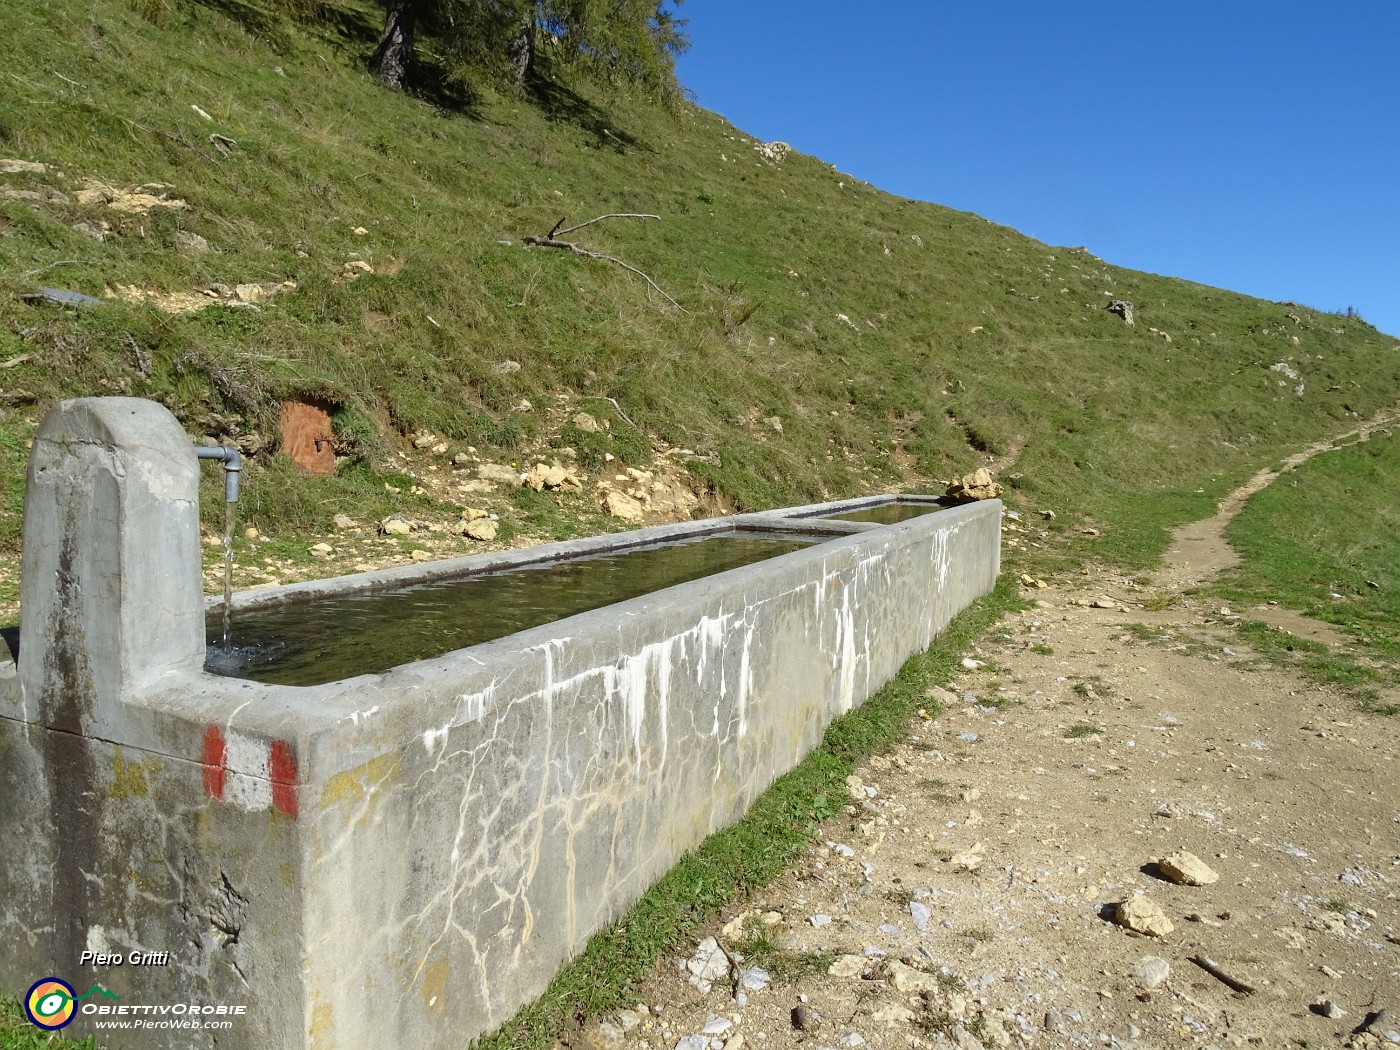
{"x":1325,"y":540}
{"x":16,"y":1033}
{"x":732,"y":864}
{"x":1082,"y":729}
{"x":1113,"y":425}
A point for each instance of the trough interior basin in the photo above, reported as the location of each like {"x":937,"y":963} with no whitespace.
{"x":331,"y":638}
{"x":887,"y":513}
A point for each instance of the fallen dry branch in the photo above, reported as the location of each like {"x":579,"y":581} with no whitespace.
{"x":550,"y":240}
{"x":1211,"y":967}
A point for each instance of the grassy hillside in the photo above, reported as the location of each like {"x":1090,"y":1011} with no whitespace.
{"x":897,"y":342}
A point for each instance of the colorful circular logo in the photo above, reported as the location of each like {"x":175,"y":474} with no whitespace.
{"x":50,"y":1003}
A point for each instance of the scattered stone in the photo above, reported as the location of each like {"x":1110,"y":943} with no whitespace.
{"x":62,"y":297}
{"x":909,"y":981}
{"x":420,"y":556}
{"x":191,"y":242}
{"x":138,"y":200}
{"x":773,"y":423}
{"x":773,"y":152}
{"x":709,"y":963}
{"x":941,"y":696}
{"x":483,"y":529}
{"x":604,"y":1036}
{"x":967,"y":860}
{"x":1104,"y":602}
{"x":975,"y":486}
{"x":693,"y":1042}
{"x":921,"y":914}
{"x":506,"y":367}
{"x":734,"y":928}
{"x":1122,"y":308}
{"x":621,"y":505}
{"x":1141,"y":915}
{"x":1030,"y":581}
{"x":818,"y":921}
{"x":250,"y":532}
{"x":894,"y":1014}
{"x":22,"y":167}
{"x":322,"y":550}
{"x":804,"y":1018}
{"x":717,"y":1025}
{"x":1186,"y":869}
{"x":1327,"y":1008}
{"x":395,"y":526}
{"x":586,"y":423}
{"x":93,"y":230}
{"x":497,"y":473}
{"x":847,"y":966}
{"x":1152,"y":971}
{"x":755,"y":979}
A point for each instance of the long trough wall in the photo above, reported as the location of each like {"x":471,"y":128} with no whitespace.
{"x":400,"y":859}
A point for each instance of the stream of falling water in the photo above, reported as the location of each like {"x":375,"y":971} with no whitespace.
{"x":228,"y":570}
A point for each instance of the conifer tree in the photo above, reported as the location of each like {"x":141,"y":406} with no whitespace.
{"x":625,"y":42}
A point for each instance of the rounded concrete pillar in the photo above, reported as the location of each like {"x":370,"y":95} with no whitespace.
{"x":111,"y":592}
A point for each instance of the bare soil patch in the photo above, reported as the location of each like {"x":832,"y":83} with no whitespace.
{"x":966,"y":894}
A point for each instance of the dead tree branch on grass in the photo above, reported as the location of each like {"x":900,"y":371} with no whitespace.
{"x":550,"y":240}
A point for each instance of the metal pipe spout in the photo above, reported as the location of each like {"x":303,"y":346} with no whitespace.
{"x":233,"y":465}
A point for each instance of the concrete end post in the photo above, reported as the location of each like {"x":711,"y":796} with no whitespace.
{"x":111,"y":589}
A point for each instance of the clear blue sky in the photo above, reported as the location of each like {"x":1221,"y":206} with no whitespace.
{"x":1253,"y":146}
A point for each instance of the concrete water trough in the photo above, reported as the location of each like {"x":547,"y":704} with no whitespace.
{"x":400,"y":858}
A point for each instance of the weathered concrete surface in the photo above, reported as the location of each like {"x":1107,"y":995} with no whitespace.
{"x":112,"y":845}
{"x":404,"y":859}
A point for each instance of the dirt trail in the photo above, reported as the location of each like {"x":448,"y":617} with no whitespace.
{"x":964,"y":897}
{"x":1200,"y":552}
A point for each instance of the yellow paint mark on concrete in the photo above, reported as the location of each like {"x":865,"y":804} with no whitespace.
{"x":435,"y":987}
{"x":128,"y":779}
{"x":322,"y":1030}
{"x":362,"y":783}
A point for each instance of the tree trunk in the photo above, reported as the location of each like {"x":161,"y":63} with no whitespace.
{"x":391,"y":58}
{"x":522,"y":52}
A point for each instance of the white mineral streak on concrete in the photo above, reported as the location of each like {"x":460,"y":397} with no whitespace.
{"x":471,"y":707}
{"x":710,"y":632}
{"x":940,"y":553}
{"x":473,"y":877}
{"x":745,"y":680}
{"x":846,"y":631}
{"x":630,"y":683}
{"x":663,"y":686}
{"x":97,"y":942}
{"x":349,"y":825}
{"x":249,"y":784}
{"x":355,"y":716}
